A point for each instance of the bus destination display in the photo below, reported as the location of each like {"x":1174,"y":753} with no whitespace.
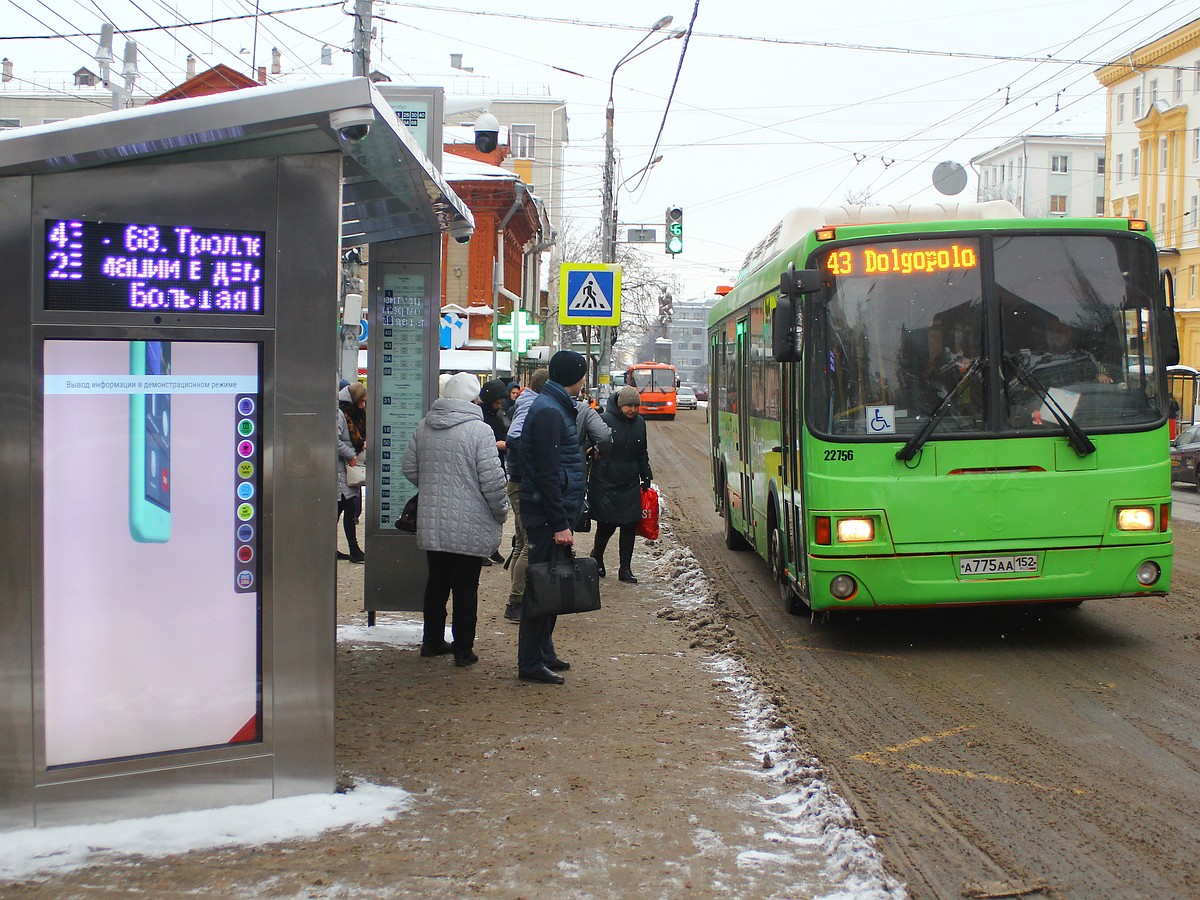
{"x":121,"y":267}
{"x":896,"y":260}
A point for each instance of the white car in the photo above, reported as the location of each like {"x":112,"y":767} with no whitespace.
{"x":685,"y":397}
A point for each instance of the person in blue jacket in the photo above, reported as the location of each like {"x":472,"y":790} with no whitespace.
{"x":552,"y":489}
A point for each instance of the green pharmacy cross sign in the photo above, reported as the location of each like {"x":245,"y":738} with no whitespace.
{"x":520,"y":331}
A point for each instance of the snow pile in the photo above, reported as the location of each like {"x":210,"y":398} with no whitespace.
{"x":54,"y":851}
{"x":804,"y":809}
{"x":393,"y":631}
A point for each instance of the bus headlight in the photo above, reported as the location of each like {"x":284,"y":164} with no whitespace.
{"x":855,"y":531}
{"x":1136,"y":518}
{"x":1147,"y":573}
{"x":843,"y":587}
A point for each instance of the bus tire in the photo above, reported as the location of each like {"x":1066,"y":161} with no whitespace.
{"x":791,"y":600}
{"x":734,"y":540}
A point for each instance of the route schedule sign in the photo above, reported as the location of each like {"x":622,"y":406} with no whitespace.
{"x":589,"y":294}
{"x":122,"y":267}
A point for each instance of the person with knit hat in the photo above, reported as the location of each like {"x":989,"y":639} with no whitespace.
{"x":617,"y":479}
{"x":552,"y":487}
{"x":452,"y":458}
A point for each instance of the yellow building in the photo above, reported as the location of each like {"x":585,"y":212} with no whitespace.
{"x":1152,"y":148}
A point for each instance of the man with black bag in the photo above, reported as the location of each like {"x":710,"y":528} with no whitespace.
{"x":552,"y":488}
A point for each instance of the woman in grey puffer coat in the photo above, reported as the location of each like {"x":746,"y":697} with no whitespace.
{"x":452,"y":458}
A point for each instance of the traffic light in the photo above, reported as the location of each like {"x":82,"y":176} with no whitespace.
{"x":674,"y":234}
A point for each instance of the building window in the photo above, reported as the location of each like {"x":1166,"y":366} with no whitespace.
{"x":1178,"y":85}
{"x":1162,"y":154}
{"x":1191,"y":281}
{"x":1137,"y":102}
{"x":6,"y":124}
{"x":1120,"y":167}
{"x":1153,"y":93}
{"x":1121,"y":106}
{"x":1058,"y":204}
{"x":520,"y":141}
{"x":1058,"y":163}
{"x":1100,"y":205}
{"x":1162,"y":220}
{"x":1194,"y":213}
{"x":1196,"y":143}
{"x":1099,"y":165}
{"x":1135,"y":160}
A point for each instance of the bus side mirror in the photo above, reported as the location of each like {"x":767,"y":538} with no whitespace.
{"x":793,"y":284}
{"x":1168,"y":333}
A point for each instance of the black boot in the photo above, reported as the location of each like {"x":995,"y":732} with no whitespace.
{"x":599,"y":563}
{"x":626,"y":575}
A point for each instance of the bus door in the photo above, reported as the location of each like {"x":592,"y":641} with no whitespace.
{"x":743,"y":421}
{"x":791,"y":433}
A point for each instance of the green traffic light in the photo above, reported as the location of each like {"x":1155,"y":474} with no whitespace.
{"x":675,"y":245}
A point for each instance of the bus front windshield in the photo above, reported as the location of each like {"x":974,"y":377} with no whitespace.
{"x":907,"y":328}
{"x":652,"y":379}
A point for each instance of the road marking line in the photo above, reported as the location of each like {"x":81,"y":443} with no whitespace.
{"x":876,"y":758}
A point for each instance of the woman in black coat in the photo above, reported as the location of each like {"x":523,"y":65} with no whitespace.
{"x":617,"y":478}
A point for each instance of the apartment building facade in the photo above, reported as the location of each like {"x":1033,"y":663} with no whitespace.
{"x":687,"y":333}
{"x":1153,"y":142}
{"x":1046,"y":174}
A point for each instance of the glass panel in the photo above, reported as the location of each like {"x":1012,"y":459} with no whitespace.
{"x":902,"y":327}
{"x":1076,"y":316}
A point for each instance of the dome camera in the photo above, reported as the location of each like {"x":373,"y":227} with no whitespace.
{"x":354,"y":124}
{"x":461,"y":231}
{"x":487,"y":133}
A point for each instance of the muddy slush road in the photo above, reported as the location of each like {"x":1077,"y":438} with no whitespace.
{"x":995,"y":753}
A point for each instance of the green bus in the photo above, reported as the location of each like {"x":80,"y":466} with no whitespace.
{"x":946,"y":406}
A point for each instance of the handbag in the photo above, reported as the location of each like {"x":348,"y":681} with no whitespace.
{"x":583,"y":522}
{"x":647,"y":525}
{"x":408,"y":516}
{"x":563,"y":585}
{"x":356,"y":476}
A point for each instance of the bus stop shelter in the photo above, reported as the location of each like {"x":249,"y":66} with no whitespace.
{"x":169,"y":359}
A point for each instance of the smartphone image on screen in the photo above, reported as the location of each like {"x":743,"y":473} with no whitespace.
{"x":150,"y":447}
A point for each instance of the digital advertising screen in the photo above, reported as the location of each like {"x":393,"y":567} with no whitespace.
{"x":151,"y":508}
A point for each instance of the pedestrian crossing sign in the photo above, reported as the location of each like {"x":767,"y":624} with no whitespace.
{"x":589,"y":294}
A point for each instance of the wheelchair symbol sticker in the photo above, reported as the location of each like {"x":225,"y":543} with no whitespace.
{"x":881,"y":419}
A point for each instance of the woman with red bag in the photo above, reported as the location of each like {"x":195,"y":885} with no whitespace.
{"x":617,"y":480}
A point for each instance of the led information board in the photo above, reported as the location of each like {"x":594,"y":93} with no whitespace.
{"x":927,"y":258}
{"x":122,"y":267}
{"x":400,"y":374}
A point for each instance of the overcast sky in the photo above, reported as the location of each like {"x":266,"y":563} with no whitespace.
{"x":778,"y":103}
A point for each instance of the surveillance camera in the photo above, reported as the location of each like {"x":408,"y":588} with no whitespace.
{"x":487,"y":133}
{"x":353,"y":124}
{"x":461,"y":231}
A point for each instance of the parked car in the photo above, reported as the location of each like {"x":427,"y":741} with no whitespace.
{"x":701,"y":392}
{"x":685,"y":397}
{"x":1185,"y":456}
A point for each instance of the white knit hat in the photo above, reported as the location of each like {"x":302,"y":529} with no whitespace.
{"x":463,"y":386}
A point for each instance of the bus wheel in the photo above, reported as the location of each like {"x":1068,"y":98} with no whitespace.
{"x":733,"y":539}
{"x":791,"y":600}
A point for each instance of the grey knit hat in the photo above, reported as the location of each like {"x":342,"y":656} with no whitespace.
{"x":629,"y":396}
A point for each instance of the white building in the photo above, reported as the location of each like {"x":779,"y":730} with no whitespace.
{"x":687,"y":332}
{"x":1045,"y":175}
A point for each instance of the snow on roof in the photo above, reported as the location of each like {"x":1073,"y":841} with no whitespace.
{"x":460,"y":168}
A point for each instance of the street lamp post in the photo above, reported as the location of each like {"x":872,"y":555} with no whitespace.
{"x":608,"y":215}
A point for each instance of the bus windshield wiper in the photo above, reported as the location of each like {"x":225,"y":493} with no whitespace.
{"x":917,"y":441}
{"x":1076,"y":436}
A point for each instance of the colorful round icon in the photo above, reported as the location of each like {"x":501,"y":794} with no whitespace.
{"x":246,"y":427}
{"x":245,"y":533}
{"x":245,"y":469}
{"x":245,"y":449}
{"x":245,"y":512}
{"x":245,"y":406}
{"x":245,"y":553}
{"x":245,"y":579}
{"x":245,"y":490}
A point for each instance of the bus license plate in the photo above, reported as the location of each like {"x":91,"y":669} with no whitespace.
{"x":996,"y":565}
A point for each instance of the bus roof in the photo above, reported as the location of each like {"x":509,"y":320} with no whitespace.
{"x":800,"y":221}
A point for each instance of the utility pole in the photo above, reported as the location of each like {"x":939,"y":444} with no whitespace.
{"x":362,"y":37}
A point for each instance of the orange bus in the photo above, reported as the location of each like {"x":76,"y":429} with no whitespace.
{"x":656,"y":382}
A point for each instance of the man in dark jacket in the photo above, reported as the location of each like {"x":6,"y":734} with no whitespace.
{"x":491,"y":399}
{"x":552,"y":488}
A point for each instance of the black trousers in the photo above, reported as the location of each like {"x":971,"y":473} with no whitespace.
{"x":535,"y":636}
{"x":452,"y":573}
{"x":350,"y":508}
{"x":604,"y":531}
